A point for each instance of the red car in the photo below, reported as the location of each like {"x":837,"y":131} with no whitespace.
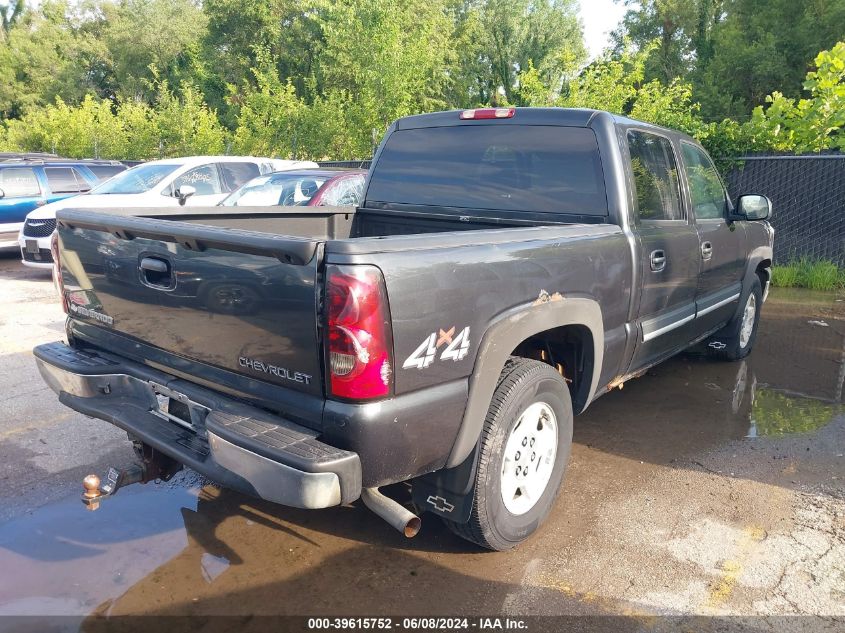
{"x":301,"y":187}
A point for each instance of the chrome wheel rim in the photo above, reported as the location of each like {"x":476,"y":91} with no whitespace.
{"x":748,"y":320}
{"x":529,"y":458}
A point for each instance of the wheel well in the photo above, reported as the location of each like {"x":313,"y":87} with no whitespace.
{"x":764,"y":271}
{"x":569,"y":349}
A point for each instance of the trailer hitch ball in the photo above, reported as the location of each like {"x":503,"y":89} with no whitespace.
{"x":92,"y":494}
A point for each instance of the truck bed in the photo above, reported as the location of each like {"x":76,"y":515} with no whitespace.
{"x":340,"y":223}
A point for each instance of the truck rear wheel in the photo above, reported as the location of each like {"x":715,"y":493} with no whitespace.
{"x":524,"y":448}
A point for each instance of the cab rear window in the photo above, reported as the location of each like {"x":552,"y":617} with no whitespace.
{"x":533,"y":169}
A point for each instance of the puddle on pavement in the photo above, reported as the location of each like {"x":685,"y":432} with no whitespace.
{"x":162,"y":549}
{"x":775,"y":414}
{"x":68,"y":560}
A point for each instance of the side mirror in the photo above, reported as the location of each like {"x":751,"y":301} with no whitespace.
{"x":752,"y":207}
{"x":184,"y":192}
{"x":2,"y":194}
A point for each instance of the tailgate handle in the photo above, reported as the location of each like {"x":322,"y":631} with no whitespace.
{"x":156,"y":272}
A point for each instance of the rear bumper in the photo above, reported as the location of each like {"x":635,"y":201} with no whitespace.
{"x":238,"y":446}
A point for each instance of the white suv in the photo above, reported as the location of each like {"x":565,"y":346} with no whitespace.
{"x":193,"y":181}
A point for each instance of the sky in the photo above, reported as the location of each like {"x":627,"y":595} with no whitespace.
{"x":599,"y":17}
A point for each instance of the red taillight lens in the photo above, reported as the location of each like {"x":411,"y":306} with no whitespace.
{"x":488,"y":113}
{"x":58,"y":280}
{"x":360,"y":346}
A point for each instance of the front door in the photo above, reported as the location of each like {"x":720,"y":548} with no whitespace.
{"x":668,"y":247}
{"x":721,"y":244}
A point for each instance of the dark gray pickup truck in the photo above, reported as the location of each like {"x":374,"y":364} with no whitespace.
{"x":507,"y":267}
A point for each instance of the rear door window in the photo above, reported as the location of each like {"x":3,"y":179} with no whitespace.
{"x":61,"y":180}
{"x":655,"y":177}
{"x":19,"y":182}
{"x":506,"y":167}
{"x":81,"y":180}
{"x":345,"y":192}
{"x":204,"y":179}
{"x":104,"y":172}
{"x":237,"y":174}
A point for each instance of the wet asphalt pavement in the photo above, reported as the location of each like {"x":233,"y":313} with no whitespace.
{"x":702,"y":488}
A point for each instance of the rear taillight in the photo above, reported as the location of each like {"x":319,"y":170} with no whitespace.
{"x":488,"y":113}
{"x":58,"y":280}
{"x":360,"y":345}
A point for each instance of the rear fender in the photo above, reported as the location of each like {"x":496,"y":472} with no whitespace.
{"x":509,"y":330}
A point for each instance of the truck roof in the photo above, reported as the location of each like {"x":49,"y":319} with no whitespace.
{"x":572,"y":117}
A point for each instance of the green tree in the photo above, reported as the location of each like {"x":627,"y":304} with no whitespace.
{"x":680,"y":29}
{"x":38,"y":59}
{"x":185,"y":124}
{"x":10,"y":14}
{"x":241,"y":31}
{"x":506,"y":37}
{"x":764,"y":46}
{"x":147,"y":39}
{"x":87,"y":130}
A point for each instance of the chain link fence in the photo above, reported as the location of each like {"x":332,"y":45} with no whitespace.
{"x":808,"y":201}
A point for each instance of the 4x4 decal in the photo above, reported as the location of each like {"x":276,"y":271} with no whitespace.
{"x":457,"y":347}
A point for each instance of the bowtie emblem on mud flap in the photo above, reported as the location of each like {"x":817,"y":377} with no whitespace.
{"x":716,"y":345}
{"x":440,"y":504}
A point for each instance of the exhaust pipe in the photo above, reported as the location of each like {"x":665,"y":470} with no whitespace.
{"x":398,"y":516}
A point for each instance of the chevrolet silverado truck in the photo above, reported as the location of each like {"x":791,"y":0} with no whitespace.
{"x":506,"y":268}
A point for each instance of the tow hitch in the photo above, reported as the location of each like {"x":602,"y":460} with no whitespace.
{"x":152,"y":465}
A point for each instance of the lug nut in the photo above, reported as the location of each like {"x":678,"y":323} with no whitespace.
{"x":532,"y":441}
{"x":517,"y":456}
{"x":518,"y":469}
{"x":524,"y":441}
{"x":533,"y":455}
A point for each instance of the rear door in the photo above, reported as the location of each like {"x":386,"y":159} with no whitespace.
{"x":721,"y":245}
{"x":235,"y":174}
{"x":21,"y":193}
{"x":207,"y":181}
{"x":64,"y":182}
{"x":99,"y":173}
{"x":668,"y":248}
{"x":343,"y":191}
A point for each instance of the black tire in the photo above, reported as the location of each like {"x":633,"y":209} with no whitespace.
{"x":735,"y":348}
{"x":522,"y":383}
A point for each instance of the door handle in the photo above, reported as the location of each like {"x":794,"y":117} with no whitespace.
{"x":156,"y":272}
{"x":154,"y":265}
{"x":706,"y":250}
{"x":658,"y":260}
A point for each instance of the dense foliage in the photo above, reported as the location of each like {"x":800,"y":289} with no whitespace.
{"x":323,"y":78}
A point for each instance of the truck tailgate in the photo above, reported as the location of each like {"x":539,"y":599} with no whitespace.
{"x":237,"y":300}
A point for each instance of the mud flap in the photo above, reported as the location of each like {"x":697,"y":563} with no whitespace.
{"x":448,"y":492}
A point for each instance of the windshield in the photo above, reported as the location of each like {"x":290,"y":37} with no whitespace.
{"x":136,"y":180}
{"x":276,"y":189}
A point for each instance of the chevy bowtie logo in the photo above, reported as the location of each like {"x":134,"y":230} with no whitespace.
{"x":439,"y":503}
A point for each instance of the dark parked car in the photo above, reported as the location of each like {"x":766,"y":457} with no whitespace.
{"x":301,"y":187}
{"x":505,"y":268}
{"x":28,"y":181}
